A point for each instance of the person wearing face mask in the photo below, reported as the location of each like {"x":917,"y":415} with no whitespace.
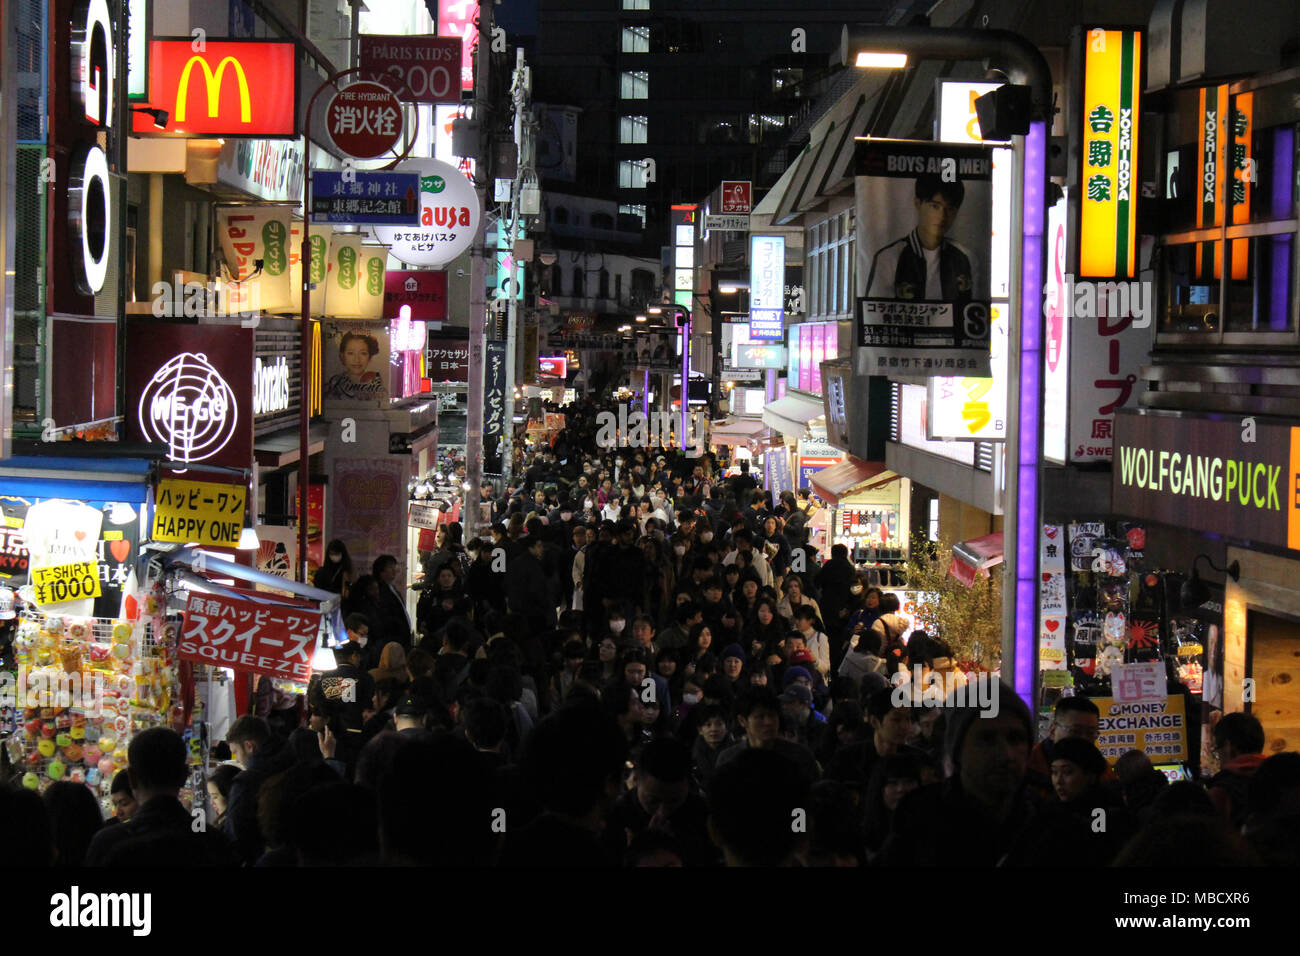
{"x":336,"y":573}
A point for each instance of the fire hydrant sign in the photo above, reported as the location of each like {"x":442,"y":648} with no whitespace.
{"x":205,"y":512}
{"x":66,"y":582}
{"x":364,"y":120}
{"x":247,"y":636}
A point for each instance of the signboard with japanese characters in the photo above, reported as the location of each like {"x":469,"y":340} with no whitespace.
{"x":249,"y":636}
{"x":494,"y":405}
{"x":924,"y":213}
{"x":364,"y":120}
{"x":423,"y":516}
{"x":1225,"y":167}
{"x":726,"y":223}
{"x":736,"y":197}
{"x":1106,"y":355}
{"x":449,"y":216}
{"x":1139,"y":683}
{"x":251,"y":235}
{"x":971,"y":408}
{"x":13,"y":551}
{"x":424,"y":291}
{"x":1112,"y":74}
{"x":448,"y":358}
{"x":1159,"y":729}
{"x":381,"y":198}
{"x":206,"y":512}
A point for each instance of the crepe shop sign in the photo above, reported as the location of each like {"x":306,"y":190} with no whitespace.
{"x":245,"y":636}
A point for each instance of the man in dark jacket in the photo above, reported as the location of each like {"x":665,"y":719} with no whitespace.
{"x":393,"y":623}
{"x":835,"y":585}
{"x":261,"y":756}
{"x":528,"y":590}
{"x":1239,"y":743}
{"x":340,"y":698}
{"x":162,"y":832}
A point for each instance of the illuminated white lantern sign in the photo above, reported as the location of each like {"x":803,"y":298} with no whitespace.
{"x":449,"y":216}
{"x":90,"y":212}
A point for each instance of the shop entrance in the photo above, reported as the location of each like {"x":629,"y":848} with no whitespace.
{"x":1275,"y":666}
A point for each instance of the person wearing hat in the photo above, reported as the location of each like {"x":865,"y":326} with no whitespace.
{"x":808,"y":725}
{"x":733,"y":662}
{"x":411,"y":715}
{"x":981,"y":813}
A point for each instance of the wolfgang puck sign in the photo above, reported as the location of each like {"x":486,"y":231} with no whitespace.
{"x":1231,"y":476}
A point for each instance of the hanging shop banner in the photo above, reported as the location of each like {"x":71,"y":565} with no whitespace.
{"x":223,"y":89}
{"x":419,"y":69}
{"x":1056,"y":344}
{"x":360,"y":196}
{"x":1157,"y":729}
{"x":368,"y":501}
{"x":66,"y":582}
{"x":190,"y":387}
{"x":971,"y":408}
{"x":449,"y":216}
{"x":1112,"y":73}
{"x":209,"y":513}
{"x":250,"y":234}
{"x":249,"y":636}
{"x":459,"y":18}
{"x":494,"y":406}
{"x":925,"y":214}
{"x":14,"y":557}
{"x":356,"y":364}
{"x":1051,"y":644}
{"x":1223,"y":476}
{"x":320,"y":246}
{"x":1225,"y":168}
{"x":776,"y":465}
{"x":655,"y":351}
{"x":315,"y":526}
{"x":423,"y":292}
{"x":343,"y":276}
{"x":59,"y":533}
{"x":810,"y":465}
{"x":277,"y":551}
{"x":1106,"y":356}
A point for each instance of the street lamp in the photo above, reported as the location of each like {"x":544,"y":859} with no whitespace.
{"x":1023,"y":64}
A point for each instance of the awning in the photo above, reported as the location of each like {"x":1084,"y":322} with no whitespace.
{"x":279,"y":449}
{"x":82,"y":479}
{"x":791,"y":415}
{"x":740,"y":431}
{"x":975,"y":557}
{"x":849,"y":477}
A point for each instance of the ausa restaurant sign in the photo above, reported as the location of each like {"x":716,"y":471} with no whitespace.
{"x":1231,"y":476}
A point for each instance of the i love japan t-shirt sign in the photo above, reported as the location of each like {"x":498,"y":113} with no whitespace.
{"x":449,"y":216}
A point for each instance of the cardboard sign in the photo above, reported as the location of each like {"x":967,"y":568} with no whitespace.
{"x":246,"y":636}
{"x":207,"y":512}
{"x":66,"y":582}
{"x":1157,"y":729}
{"x":423,"y":516}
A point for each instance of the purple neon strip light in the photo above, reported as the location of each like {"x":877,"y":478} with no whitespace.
{"x":1031,"y":410}
{"x":1283,"y":151}
{"x":686,"y":380}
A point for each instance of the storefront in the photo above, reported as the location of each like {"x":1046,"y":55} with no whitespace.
{"x":868,"y":513}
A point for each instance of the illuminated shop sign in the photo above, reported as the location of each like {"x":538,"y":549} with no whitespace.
{"x":1112,"y":72}
{"x":766,"y":287}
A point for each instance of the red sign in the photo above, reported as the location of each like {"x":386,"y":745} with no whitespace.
{"x":448,"y":359}
{"x":736,"y":197}
{"x":248,"y":636}
{"x":232,"y":88}
{"x":424,"y":291}
{"x":420,"y":69}
{"x":555,"y":367}
{"x":456,"y":18}
{"x":364,"y":120}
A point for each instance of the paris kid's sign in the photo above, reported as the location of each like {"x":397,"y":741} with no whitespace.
{"x":1231,"y":476}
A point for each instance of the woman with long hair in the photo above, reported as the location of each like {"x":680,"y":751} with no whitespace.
{"x":336,"y":573}
{"x":794,"y":597}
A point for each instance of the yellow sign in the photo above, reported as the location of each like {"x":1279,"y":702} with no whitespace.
{"x":1157,"y":729}
{"x":1112,"y":70}
{"x":199,"y":512}
{"x":66,"y":582}
{"x":214,"y":87}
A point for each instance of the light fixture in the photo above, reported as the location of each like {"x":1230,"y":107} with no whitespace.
{"x":641,"y":318}
{"x":655,"y":310}
{"x":1194,"y":591}
{"x":323,"y":659}
{"x":730,"y":287}
{"x":880,"y":61}
{"x":160,"y":117}
{"x":248,"y":540}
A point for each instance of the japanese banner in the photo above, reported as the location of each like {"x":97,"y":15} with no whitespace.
{"x":252,"y":233}
{"x":247,"y":636}
{"x":207,"y":512}
{"x":13,"y":551}
{"x":1112,"y":72}
{"x":448,"y":358}
{"x":494,"y":404}
{"x":1106,"y":355}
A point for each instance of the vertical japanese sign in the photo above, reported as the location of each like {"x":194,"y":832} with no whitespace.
{"x":494,"y":405}
{"x":1112,"y":70}
{"x":456,"y":18}
{"x":1051,"y":599}
{"x":249,"y":636}
{"x":1226,"y":171}
{"x":1106,"y":355}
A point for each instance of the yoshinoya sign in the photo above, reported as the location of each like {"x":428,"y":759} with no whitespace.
{"x":1230,"y":476}
{"x":1112,"y":74}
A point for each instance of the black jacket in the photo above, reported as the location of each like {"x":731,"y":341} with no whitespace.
{"x":241,"y":813}
{"x":390,"y":620}
{"x":161,"y":834}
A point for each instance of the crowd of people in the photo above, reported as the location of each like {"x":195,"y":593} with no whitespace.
{"x":641,"y":662}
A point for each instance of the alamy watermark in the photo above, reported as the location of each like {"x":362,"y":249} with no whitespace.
{"x":641,"y":430}
{"x":947,"y":689}
{"x":27,"y":689}
{"x":1089,"y":299}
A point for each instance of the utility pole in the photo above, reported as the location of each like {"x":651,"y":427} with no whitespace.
{"x":520,"y":90}
{"x":477,"y":291}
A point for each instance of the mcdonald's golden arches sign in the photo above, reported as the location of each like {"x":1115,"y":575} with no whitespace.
{"x":222,"y":88}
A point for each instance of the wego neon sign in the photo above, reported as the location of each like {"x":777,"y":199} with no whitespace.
{"x":189,"y":407}
{"x":90,"y":204}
